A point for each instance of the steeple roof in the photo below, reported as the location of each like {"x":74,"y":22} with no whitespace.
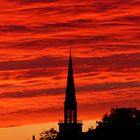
{"x":70,"y":98}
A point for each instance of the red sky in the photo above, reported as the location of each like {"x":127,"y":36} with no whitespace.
{"x":34,"y":51}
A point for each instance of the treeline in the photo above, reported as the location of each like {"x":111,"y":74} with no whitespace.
{"x":119,"y":124}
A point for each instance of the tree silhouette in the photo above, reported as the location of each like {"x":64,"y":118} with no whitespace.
{"x":120,"y":123}
{"x":120,"y":118}
{"x":48,"y":134}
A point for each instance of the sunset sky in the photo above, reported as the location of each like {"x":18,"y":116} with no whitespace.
{"x":34,"y":52}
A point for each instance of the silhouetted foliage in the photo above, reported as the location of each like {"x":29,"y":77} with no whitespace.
{"x":48,"y":134}
{"x":120,"y":118}
{"x":121,"y":123}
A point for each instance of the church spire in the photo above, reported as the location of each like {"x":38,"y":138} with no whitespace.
{"x":70,"y":89}
{"x":70,"y":108}
{"x":70,"y":127}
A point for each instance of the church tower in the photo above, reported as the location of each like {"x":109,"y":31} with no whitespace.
{"x":70,"y":126}
{"x":70,"y":104}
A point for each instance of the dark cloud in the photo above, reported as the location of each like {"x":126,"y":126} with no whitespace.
{"x":109,"y":86}
{"x":41,"y":62}
{"x":45,"y":27}
{"x":127,"y":19}
{"x":33,"y":93}
{"x":13,"y":28}
{"x":5,"y":86}
{"x":35,"y":73}
{"x":30,"y":111}
{"x":112,"y":62}
{"x":32,"y":1}
{"x":34,"y":44}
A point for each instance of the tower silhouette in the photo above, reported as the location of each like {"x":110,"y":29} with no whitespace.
{"x":70,"y":104}
{"x":70,"y":125}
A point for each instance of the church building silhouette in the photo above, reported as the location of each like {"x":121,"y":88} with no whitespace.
{"x":70,"y":127}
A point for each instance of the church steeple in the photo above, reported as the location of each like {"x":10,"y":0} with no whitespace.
{"x":70,"y":127}
{"x":70,"y":104}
